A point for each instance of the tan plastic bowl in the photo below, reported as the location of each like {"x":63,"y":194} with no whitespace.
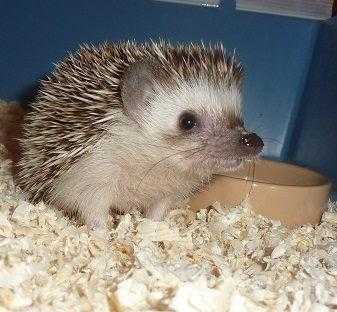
{"x":280,"y":191}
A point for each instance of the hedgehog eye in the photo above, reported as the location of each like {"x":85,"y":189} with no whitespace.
{"x":187,"y":121}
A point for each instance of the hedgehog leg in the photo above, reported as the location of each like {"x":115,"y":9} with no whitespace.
{"x":91,"y":204}
{"x":159,"y":209}
{"x":95,"y":210}
{"x":95,"y":223}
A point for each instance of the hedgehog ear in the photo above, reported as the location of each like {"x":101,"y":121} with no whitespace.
{"x":137,"y":85}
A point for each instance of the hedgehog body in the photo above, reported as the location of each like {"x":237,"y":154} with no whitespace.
{"x":132,"y":126}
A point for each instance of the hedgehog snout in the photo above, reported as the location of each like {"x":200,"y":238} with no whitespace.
{"x":234,"y":144}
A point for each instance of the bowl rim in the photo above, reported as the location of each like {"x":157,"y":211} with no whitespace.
{"x":325,"y":180}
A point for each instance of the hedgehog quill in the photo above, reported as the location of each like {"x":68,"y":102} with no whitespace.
{"x":126,"y":125}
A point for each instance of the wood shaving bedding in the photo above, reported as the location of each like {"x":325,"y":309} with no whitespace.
{"x":216,"y":260}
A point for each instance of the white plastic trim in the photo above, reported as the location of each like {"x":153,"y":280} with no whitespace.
{"x":206,"y":3}
{"x":311,"y":9}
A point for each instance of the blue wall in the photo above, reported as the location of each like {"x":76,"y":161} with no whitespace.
{"x":314,"y":140}
{"x":275,"y":50}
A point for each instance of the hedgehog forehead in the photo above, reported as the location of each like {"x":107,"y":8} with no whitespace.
{"x":200,"y":96}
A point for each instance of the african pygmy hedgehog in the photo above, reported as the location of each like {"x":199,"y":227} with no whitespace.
{"x":125,"y":125}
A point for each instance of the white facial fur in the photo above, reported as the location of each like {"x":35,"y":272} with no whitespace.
{"x":197,"y":96}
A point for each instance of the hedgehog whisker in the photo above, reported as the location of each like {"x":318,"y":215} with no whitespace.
{"x":178,"y":162}
{"x":271,"y":139}
{"x":200,"y":148}
{"x":197,"y":149}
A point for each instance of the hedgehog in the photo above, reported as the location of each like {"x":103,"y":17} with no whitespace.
{"x":125,"y":125}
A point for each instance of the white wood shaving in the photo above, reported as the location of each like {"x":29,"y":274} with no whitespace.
{"x":216,"y":260}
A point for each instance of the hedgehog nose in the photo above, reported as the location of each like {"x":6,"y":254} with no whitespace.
{"x":252,"y":141}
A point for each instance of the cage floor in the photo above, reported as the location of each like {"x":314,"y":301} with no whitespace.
{"x":216,"y":260}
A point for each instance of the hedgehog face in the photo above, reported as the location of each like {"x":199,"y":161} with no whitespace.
{"x":205,"y":121}
{"x":197,"y":119}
